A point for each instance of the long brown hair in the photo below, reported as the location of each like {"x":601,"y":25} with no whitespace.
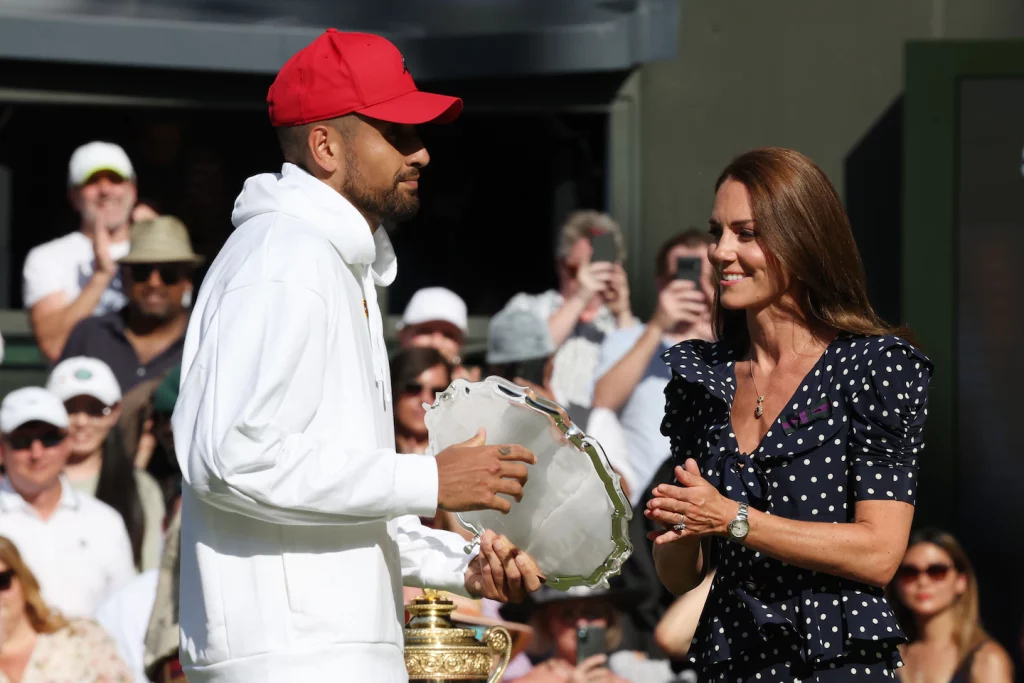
{"x":42,"y":618}
{"x":804,"y":229}
{"x":969,"y":633}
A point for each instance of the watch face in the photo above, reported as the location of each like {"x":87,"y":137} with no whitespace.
{"x":738,"y":528}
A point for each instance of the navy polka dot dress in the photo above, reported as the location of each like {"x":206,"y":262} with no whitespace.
{"x":852,"y":431}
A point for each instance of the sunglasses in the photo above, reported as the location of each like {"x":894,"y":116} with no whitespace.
{"x":415,"y":389}
{"x":24,"y":442}
{"x":936,"y":572}
{"x":91,"y":407}
{"x":170,"y":273}
{"x":6,"y":578}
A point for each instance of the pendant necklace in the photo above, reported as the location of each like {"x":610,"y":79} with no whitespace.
{"x":759,"y":408}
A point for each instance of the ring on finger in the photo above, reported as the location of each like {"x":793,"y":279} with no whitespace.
{"x":680,"y":526}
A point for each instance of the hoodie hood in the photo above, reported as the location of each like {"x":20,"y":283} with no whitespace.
{"x":297,"y":194}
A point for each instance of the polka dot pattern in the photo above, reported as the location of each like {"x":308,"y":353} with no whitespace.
{"x":868,"y":396}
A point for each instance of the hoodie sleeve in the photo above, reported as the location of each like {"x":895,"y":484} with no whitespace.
{"x":432,"y":558}
{"x":250,"y":398}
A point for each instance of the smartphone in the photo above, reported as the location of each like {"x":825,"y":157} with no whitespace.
{"x":590,"y":641}
{"x":604,"y":248}
{"x":688,"y":268}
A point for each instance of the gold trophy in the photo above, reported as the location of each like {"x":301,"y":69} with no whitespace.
{"x":437,"y":651}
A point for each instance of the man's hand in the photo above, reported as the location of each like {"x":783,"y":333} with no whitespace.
{"x":105,"y":265}
{"x":616,"y":296}
{"x":502,"y":571}
{"x":594,"y":278}
{"x":592,"y":670}
{"x":470,"y":475}
{"x":681,"y":303}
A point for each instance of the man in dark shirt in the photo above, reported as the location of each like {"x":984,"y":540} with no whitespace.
{"x":145,"y":338}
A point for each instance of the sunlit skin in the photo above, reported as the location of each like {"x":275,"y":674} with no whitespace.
{"x":87,"y":427}
{"x":153,"y":298}
{"x":434,"y":334}
{"x":409,"y":412}
{"x":105,"y":199}
{"x":36,"y":469}
{"x":746,"y":279}
{"x":17,"y":636}
{"x":924,"y":596}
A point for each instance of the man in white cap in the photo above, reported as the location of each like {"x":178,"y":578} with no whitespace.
{"x":145,"y":338}
{"x":76,"y":546}
{"x":436,"y":317}
{"x":75,"y":276}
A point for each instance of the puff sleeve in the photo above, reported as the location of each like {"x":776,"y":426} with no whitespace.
{"x":887,"y":423}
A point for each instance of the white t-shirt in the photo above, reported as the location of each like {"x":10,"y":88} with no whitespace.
{"x":65,"y":265}
{"x":80,"y":555}
{"x":125,"y":616}
{"x":572,"y":372}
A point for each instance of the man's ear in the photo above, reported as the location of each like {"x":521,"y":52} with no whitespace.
{"x":326,"y":148}
{"x":75,"y":198}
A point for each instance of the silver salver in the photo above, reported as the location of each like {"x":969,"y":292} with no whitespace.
{"x":573,"y":518}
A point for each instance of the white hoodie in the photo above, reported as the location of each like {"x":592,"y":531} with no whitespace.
{"x":299,"y":525}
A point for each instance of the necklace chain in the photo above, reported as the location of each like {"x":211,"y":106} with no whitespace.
{"x":759,"y":408}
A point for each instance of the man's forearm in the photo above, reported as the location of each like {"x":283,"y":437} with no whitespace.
{"x":563,"y":321}
{"x":53,"y":324}
{"x":616,"y":385}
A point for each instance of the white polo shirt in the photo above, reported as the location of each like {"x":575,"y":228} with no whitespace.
{"x":79,"y":555}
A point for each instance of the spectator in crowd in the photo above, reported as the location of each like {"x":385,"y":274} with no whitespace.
{"x":75,"y":276}
{"x":592,"y":301}
{"x":520,"y":349}
{"x":41,"y":646}
{"x":126,"y":613}
{"x":417,"y":375}
{"x":631,"y":374}
{"x":99,"y":466}
{"x":76,"y":546}
{"x":436,"y":317}
{"x":558,"y":616}
{"x":155,"y":450}
{"x":935,"y":595}
{"x":145,"y":339}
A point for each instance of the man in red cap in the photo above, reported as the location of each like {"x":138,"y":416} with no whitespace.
{"x":299,"y":519}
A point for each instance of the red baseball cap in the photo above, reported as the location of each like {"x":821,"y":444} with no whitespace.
{"x":344,"y":73}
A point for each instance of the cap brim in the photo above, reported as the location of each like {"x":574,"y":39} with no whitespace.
{"x":416,"y":107}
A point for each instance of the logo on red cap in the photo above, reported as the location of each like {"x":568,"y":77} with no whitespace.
{"x":344,"y":73}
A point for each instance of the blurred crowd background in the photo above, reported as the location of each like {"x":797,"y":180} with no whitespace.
{"x":583,"y":119}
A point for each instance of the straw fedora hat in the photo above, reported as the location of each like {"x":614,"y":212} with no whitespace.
{"x":163,"y":239}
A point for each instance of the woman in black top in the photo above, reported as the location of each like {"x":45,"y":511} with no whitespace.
{"x":798,"y":434}
{"x":935,"y":597}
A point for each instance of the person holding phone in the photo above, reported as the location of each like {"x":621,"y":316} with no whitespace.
{"x":631,"y":376}
{"x":591,"y":302}
{"x":582,"y":628}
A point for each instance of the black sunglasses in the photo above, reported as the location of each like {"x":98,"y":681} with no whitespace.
{"x":6,"y":578}
{"x":170,"y":273}
{"x":415,"y":389}
{"x":24,"y":442}
{"x":935,"y":572}
{"x":90,"y":406}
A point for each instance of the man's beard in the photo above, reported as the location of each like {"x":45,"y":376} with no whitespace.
{"x":388,"y":206}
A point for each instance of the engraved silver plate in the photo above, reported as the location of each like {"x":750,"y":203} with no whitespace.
{"x":573,"y":518}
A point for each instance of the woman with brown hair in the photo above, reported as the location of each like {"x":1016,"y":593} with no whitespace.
{"x":38,"y":645}
{"x":797,"y":435}
{"x":935,"y":598}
